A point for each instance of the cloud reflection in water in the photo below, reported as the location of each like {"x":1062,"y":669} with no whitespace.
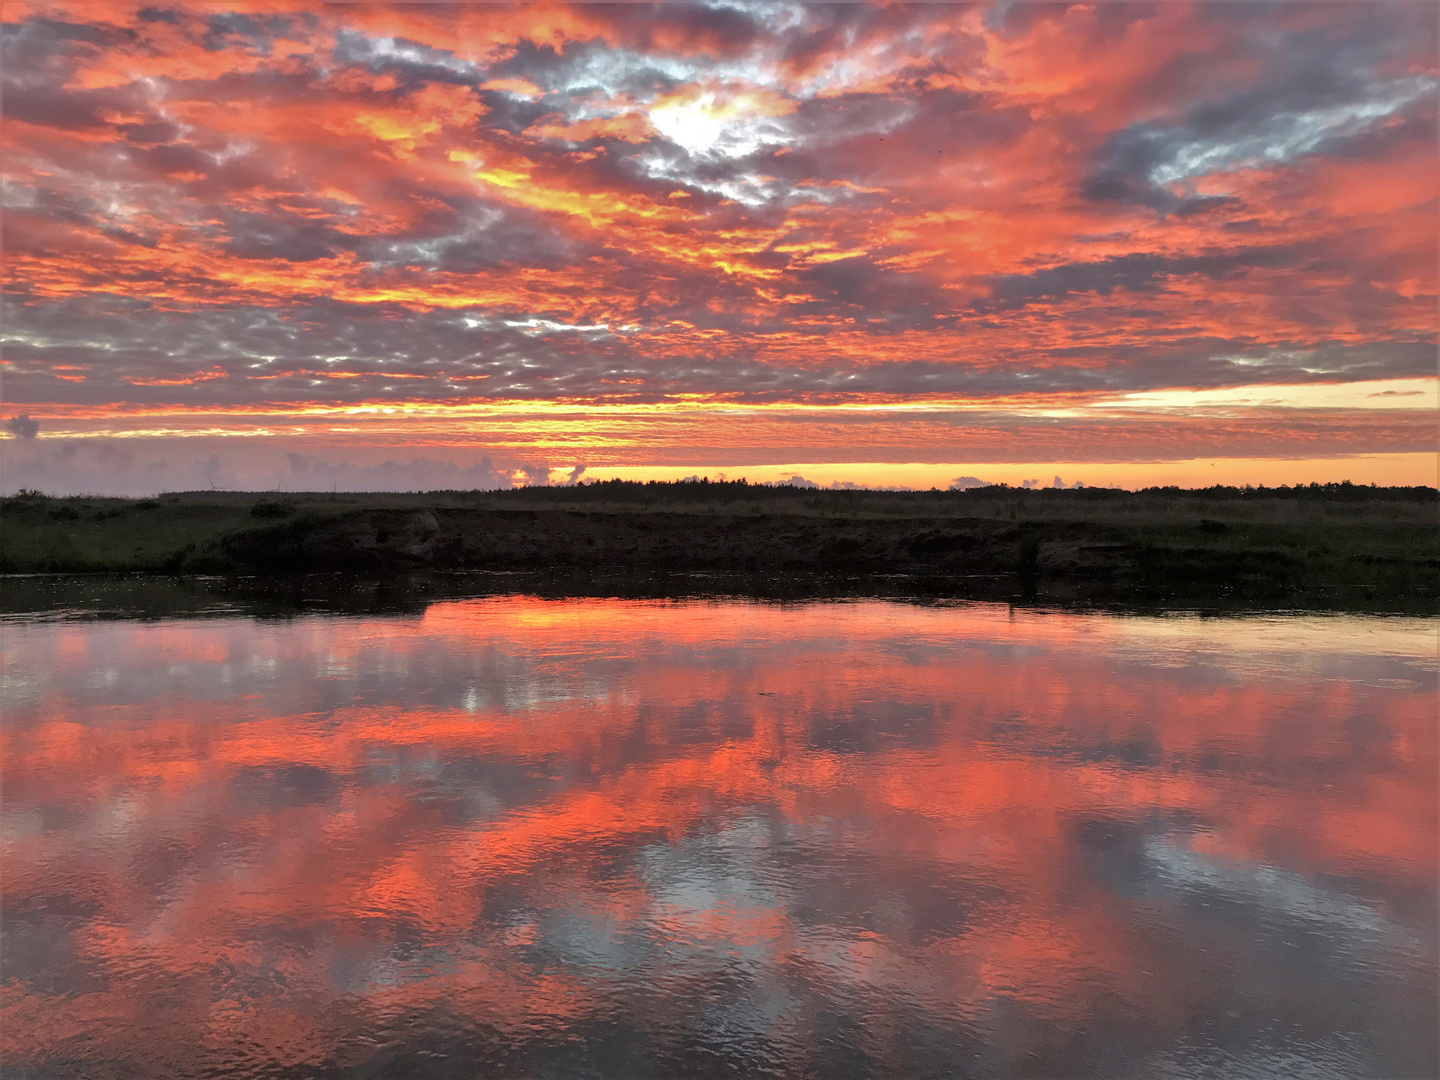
{"x":618,"y":838}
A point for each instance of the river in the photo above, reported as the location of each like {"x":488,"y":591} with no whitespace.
{"x":524,"y":837}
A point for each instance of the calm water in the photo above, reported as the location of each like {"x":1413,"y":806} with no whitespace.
{"x":602,"y":838}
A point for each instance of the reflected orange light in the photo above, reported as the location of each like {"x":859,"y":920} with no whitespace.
{"x":637,"y":727}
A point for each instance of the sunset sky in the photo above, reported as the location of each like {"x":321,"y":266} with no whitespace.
{"x":370,"y":246}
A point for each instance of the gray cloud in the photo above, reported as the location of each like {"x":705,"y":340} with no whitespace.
{"x":281,"y":236}
{"x":965,"y":483}
{"x":308,"y":473}
{"x":253,"y":355}
{"x":1317,"y":94}
{"x":113,"y":467}
{"x":22,"y":427}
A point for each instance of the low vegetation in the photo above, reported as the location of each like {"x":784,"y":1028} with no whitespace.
{"x":1337,"y":545}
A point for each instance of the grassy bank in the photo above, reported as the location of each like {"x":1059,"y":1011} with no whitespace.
{"x":1331,"y":546}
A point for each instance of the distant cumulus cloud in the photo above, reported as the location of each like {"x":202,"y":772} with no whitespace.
{"x":22,"y":427}
{"x":98,"y":467}
{"x":110,"y":467}
{"x":308,"y":473}
{"x":965,"y":483}
{"x":534,"y":475}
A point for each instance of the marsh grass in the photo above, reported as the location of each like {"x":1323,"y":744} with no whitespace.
{"x":1287,"y":542}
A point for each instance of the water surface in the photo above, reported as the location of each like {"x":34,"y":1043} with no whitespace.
{"x":516,"y":837}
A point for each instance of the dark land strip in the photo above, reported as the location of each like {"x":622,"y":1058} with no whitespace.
{"x":1331,"y":547}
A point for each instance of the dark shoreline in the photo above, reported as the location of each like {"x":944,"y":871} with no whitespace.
{"x":107,"y":596}
{"x":1339,"y":548}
